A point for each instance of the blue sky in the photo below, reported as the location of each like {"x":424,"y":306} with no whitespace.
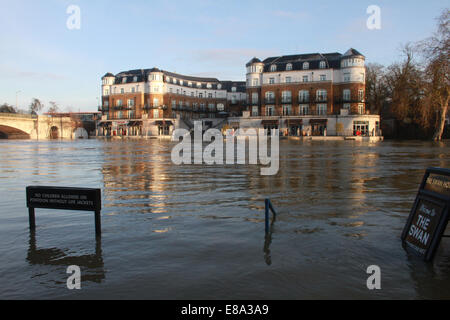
{"x":42,"y":58}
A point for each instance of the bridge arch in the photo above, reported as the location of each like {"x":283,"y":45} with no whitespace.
{"x":7,"y":132}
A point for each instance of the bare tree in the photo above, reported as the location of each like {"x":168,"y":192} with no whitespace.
{"x":53,"y":107}
{"x":376,"y":87}
{"x":436,"y":53}
{"x":36,"y":106}
{"x":6,"y":108}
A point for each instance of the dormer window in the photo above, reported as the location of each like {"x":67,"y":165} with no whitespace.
{"x":289,"y":67}
{"x":181,"y":82}
{"x":219,"y":86}
{"x":209,"y":86}
{"x":190,"y":84}
{"x":199,"y":85}
{"x":305,"y":65}
{"x":134,"y":79}
{"x":322,"y":65}
{"x":233,"y":89}
{"x":273,"y":68}
{"x":124,"y":80}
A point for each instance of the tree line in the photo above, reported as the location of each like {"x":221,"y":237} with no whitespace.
{"x":416,"y":90}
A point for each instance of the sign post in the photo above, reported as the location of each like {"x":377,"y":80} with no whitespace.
{"x":429,"y":215}
{"x":62,"y":198}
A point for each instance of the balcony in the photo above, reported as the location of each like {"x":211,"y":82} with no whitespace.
{"x":303,"y":99}
{"x":269,"y":100}
{"x":286,"y":99}
{"x":321,"y":98}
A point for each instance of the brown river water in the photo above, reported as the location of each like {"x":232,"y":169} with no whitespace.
{"x":197,"y":231}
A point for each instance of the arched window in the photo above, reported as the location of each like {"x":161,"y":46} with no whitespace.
{"x":322,"y":65}
{"x":305,"y":65}
{"x":289,"y":67}
{"x":273,"y":68}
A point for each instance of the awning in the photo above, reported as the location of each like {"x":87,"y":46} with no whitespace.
{"x":164,"y":123}
{"x":134,"y":123}
{"x":291,"y":122}
{"x":104,"y":124}
{"x":270,"y":122}
{"x":318,"y":121}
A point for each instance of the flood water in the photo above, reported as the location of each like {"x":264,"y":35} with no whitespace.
{"x":197,"y":231}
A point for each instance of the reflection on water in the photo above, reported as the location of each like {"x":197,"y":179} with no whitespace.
{"x":90,"y":263}
{"x":196,"y":232}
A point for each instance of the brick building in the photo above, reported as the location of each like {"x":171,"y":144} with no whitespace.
{"x":306,"y":90}
{"x":154,"y":101}
{"x":304,"y":94}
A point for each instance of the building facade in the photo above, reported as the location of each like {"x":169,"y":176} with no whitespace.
{"x":306,"y":94}
{"x":154,"y":102}
{"x":308,"y":91}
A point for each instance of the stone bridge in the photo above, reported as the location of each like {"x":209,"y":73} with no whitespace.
{"x":25,"y":126}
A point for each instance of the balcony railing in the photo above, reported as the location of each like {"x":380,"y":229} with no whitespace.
{"x":269,"y":100}
{"x":286,"y":99}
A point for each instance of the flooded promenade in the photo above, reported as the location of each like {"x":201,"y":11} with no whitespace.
{"x":197,"y":231}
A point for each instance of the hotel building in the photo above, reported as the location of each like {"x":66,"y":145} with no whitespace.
{"x":306,"y":94}
{"x":153,"y":102}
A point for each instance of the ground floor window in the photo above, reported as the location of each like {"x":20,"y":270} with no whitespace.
{"x":360,"y":128}
{"x":295,"y":130}
{"x":164,"y":130}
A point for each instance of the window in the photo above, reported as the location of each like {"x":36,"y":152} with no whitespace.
{"x":200,"y":95}
{"x":289,"y":67}
{"x":130,"y":102}
{"x":361,"y":95}
{"x":362,"y":77}
{"x":106,"y":103}
{"x":304,"y":109}
{"x":323,"y":77}
{"x":286,"y":97}
{"x":124,"y":80}
{"x":118,"y":103}
{"x":321,"y":95}
{"x":288,"y":79}
{"x":269,"y":111}
{"x":287,"y":110}
{"x":155,"y":102}
{"x":303,"y":96}
{"x":255,"y":82}
{"x":155,"y":113}
{"x":134,"y":79}
{"x":321,"y":109}
{"x":220,"y":107}
{"x":133,"y":90}
{"x":322,"y":65}
{"x":106,"y":92}
{"x":219,"y":86}
{"x":255,"y":111}
{"x":209,"y":86}
{"x":270,"y":97}
{"x":273,"y":68}
{"x":181,"y":82}
{"x":255,"y":97}
{"x":346,"y":106}
{"x":210,"y":95}
{"x":305,"y":65}
{"x":190,"y":84}
{"x":233,"y":89}
{"x":199,"y":85}
{"x":361,"y":108}
{"x":122,"y":91}
{"x":346,"y":95}
{"x":346,"y":77}
{"x":271,"y":80}
{"x":305,"y":78}
{"x":174,"y":103}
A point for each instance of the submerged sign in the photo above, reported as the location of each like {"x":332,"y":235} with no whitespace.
{"x":63,"y":198}
{"x":429,"y":215}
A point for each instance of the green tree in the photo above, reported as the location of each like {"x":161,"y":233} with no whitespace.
{"x":6,"y":108}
